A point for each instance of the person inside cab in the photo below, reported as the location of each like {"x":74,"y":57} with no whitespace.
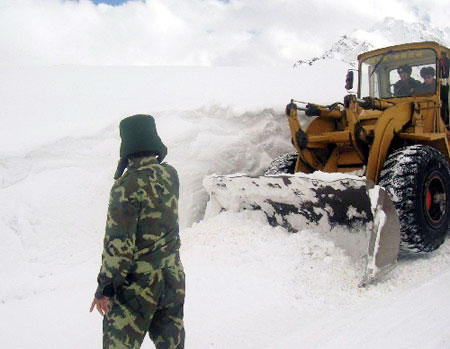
{"x":429,"y":82}
{"x":406,"y":86}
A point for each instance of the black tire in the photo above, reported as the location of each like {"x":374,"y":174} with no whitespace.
{"x":417,"y":178}
{"x":284,"y":164}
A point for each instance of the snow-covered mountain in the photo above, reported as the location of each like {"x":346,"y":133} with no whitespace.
{"x":388,"y":32}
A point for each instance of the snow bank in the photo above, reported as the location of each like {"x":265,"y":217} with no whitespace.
{"x":43,"y":104}
{"x":221,"y":120}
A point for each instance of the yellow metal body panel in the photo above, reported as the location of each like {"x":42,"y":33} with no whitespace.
{"x":391,"y":121}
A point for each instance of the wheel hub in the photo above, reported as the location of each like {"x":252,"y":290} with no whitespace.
{"x":435,"y":199}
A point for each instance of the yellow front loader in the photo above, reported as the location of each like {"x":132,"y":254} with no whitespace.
{"x":378,"y":162}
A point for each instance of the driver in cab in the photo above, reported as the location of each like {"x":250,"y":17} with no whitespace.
{"x":406,"y":86}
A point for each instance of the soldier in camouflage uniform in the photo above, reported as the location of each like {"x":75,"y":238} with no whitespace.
{"x":141,"y":281}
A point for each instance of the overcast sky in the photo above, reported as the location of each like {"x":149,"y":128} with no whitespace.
{"x":191,"y":32}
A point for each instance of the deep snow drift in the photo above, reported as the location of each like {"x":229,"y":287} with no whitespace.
{"x":249,"y":285}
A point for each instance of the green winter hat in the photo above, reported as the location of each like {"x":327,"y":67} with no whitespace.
{"x":138,"y":133}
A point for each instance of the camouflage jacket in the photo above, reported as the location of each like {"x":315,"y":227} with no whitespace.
{"x":142,"y":224}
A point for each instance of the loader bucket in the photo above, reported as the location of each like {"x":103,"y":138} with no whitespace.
{"x":359,"y":216}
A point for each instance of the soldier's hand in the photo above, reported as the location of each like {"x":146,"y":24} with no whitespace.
{"x":101,"y":304}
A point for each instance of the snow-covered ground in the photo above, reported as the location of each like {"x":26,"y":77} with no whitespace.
{"x":249,"y":285}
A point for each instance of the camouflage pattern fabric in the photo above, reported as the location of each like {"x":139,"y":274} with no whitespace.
{"x":154,"y":303}
{"x":141,"y":269}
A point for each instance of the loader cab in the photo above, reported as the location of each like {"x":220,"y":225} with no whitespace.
{"x":397,"y":73}
{"x":379,"y":73}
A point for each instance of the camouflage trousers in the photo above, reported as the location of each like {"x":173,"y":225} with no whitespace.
{"x":150,"y":303}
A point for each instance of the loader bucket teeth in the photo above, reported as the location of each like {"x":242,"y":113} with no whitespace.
{"x":301,"y":201}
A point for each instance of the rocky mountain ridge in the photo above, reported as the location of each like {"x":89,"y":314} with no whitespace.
{"x":388,"y":32}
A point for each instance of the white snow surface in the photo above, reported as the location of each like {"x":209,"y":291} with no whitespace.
{"x":249,"y":285}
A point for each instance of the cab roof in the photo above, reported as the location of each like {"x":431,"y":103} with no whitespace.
{"x":408,"y":46}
